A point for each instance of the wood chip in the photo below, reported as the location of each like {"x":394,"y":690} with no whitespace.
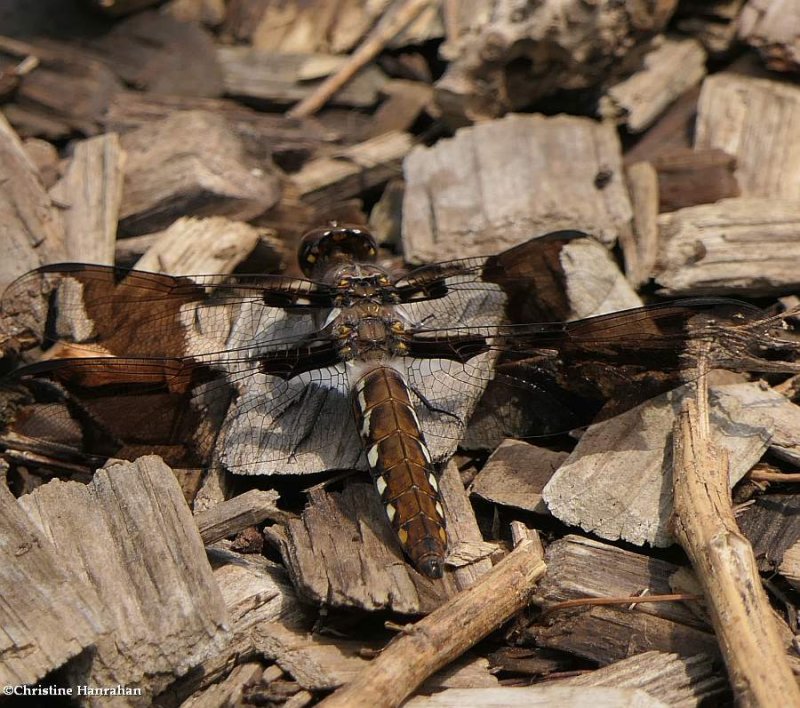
{"x":130,"y":535}
{"x":228,"y":692}
{"x":638,"y":100}
{"x":538,"y":696}
{"x":790,"y":565}
{"x":772,"y":526}
{"x":714,"y":24}
{"x":47,"y":613}
{"x":233,"y":515}
{"x":641,"y":250}
{"x":732,"y":113}
{"x":689,"y":177}
{"x":500,"y":183}
{"x":616,"y":481}
{"x":515,"y":475}
{"x":772,"y":27}
{"x":742,"y":246}
{"x":90,"y":194}
{"x":192,"y":246}
{"x":191,"y":162}
{"x":31,"y":229}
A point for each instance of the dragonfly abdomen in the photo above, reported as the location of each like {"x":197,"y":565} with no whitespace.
{"x":401,"y":466}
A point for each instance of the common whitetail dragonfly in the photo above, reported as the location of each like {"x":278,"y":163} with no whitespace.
{"x":349,"y":366}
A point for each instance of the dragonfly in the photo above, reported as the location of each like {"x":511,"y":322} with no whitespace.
{"x":350,"y":366}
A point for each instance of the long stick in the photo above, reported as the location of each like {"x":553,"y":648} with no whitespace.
{"x":723,"y":559}
{"x":446,"y":633}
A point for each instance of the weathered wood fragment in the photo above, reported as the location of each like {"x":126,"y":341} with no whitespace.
{"x":581,"y":568}
{"x":773,"y":27}
{"x":350,"y":171}
{"x":743,"y":246}
{"x":436,"y":640}
{"x":638,"y":100}
{"x":31,"y":228}
{"x":538,"y":697}
{"x":732,"y":113}
{"x":713,"y":23}
{"x":678,"y":681}
{"x":641,"y":249}
{"x":233,"y":515}
{"x":47,"y":614}
{"x":190,"y":163}
{"x":772,"y":526}
{"x":286,"y":78}
{"x":45,"y":158}
{"x":152,"y":51}
{"x":504,"y":59}
{"x":404,"y":103}
{"x":89,"y":195}
{"x":130,"y":536}
{"x":595,"y":489}
{"x":210,"y":13}
{"x":499,"y":183}
{"x":689,"y":177}
{"x":515,"y":475}
{"x":193,"y":246}
{"x":68,"y":92}
{"x":228,"y":692}
{"x":790,"y":565}
{"x":705,"y":526}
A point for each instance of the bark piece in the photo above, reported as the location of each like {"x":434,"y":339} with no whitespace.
{"x":31,"y":229}
{"x":678,"y":681}
{"x":404,"y":104}
{"x":690,"y":177}
{"x":90,"y":194}
{"x":641,"y":251}
{"x":152,"y":51}
{"x":436,"y":640}
{"x":233,"y":515}
{"x":772,"y":526}
{"x":790,"y":565}
{"x":637,"y":101}
{"x":47,"y":614}
{"x":350,"y":171}
{"x":193,"y":246}
{"x":515,"y":475}
{"x":131,"y":537}
{"x":287,"y":78}
{"x":713,"y":23}
{"x":773,"y":27}
{"x":732,"y":113}
{"x":580,"y":568}
{"x":500,"y":183}
{"x":231,"y":691}
{"x":537,"y":697}
{"x":742,"y":246}
{"x":705,"y":526}
{"x":68,"y":92}
{"x":189,"y":163}
{"x":616,"y":482}
{"x":343,"y":553}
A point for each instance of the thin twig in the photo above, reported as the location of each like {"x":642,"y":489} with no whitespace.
{"x":389,"y":27}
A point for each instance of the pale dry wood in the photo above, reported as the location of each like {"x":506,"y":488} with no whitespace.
{"x":89,"y":194}
{"x":773,"y":27}
{"x":231,"y":516}
{"x":638,"y":100}
{"x":705,"y":526}
{"x":45,"y":158}
{"x":436,"y":640}
{"x":744,"y":246}
{"x":713,"y":23}
{"x":350,"y":171}
{"x":790,"y":565}
{"x":733,"y":111}
{"x":500,"y":183}
{"x":538,"y":697}
{"x":404,"y":103}
{"x":192,"y":246}
{"x":46,"y":614}
{"x":31,"y":228}
{"x":343,"y":553}
{"x":505,"y":59}
{"x":228,"y":692}
{"x":208,"y":12}
{"x":131,"y":538}
{"x":681,"y":682}
{"x":640,"y":251}
{"x":515,"y":474}
{"x":394,"y":21}
{"x":616,"y":482}
{"x":285,"y":78}
{"x":190,"y":163}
